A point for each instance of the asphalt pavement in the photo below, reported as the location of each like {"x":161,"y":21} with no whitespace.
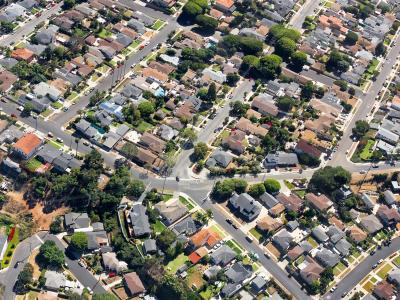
{"x":362,"y":270}
{"x":307,"y":9}
{"x":9,"y":276}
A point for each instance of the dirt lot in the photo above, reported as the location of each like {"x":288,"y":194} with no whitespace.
{"x":31,"y":260}
{"x":368,"y":185}
{"x":17,"y":204}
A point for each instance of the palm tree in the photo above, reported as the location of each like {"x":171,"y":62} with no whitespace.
{"x":77,"y":144}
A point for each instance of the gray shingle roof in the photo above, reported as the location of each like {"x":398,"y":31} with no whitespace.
{"x":223,"y":256}
{"x":139,"y":220}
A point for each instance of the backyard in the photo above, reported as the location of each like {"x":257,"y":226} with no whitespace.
{"x":366,"y":152}
{"x":175,"y":264}
{"x":33,"y":164}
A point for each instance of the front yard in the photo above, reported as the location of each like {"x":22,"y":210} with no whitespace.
{"x":366,"y":152}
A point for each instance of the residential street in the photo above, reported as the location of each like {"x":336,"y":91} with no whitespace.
{"x":306,"y":10}
{"x":21,"y":254}
{"x":208,"y":133}
{"x":29,"y":26}
{"x":362,"y":270}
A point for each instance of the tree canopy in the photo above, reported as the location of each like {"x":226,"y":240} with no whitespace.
{"x":285,"y":47}
{"x":338,"y":62}
{"x":79,"y":241}
{"x":278,"y":31}
{"x":272,"y":186}
{"x":200,"y":150}
{"x":51,"y":255}
{"x":329,"y":179}
{"x":224,"y":189}
{"x":361,"y":128}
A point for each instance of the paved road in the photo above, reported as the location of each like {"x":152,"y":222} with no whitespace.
{"x":207,"y":134}
{"x":368,"y":100}
{"x":27,"y":28}
{"x":81,"y":273}
{"x":307,"y":9}
{"x":21,"y":254}
{"x":362,"y":270}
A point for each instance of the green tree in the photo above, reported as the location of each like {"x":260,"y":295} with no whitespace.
{"x":270,"y":66}
{"x":361,"y":128}
{"x":232,"y":79}
{"x":68,"y":4}
{"x":285,"y":103}
{"x":7,"y":27}
{"x":342,"y":84}
{"x":56,"y":226}
{"x":278,"y":31}
{"x":224,"y":189}
{"x":189,"y":134}
{"x":146,"y":108}
{"x":329,"y":179}
{"x":250,"y":62}
{"x":207,"y":22}
{"x":272,"y":186}
{"x":238,"y":108}
{"x":165,"y":239}
{"x":212,"y":92}
{"x":256,"y":190}
{"x":285,"y":47}
{"x":352,"y":91}
{"x":338,"y":62}
{"x":380,"y":49}
{"x":250,"y":45}
{"x":104,"y":297}
{"x":79,"y":241}
{"x":307,"y":91}
{"x":51,"y":255}
{"x":351,"y":38}
{"x":135,"y":188}
{"x":299,"y":59}
{"x":192,"y":9}
{"x":200,"y":150}
{"x":25,"y":277}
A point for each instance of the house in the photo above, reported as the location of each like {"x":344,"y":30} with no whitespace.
{"x":327,"y":258}
{"x":319,"y":233}
{"x":295,"y":253}
{"x":367,"y":201}
{"x":77,"y":222}
{"x":152,"y":142}
{"x":223,"y":256}
{"x":384,"y":291}
{"x":7,"y":79}
{"x":3,"y":245}
{"x":149,"y":246}
{"x":204,"y":237}
{"x":236,"y":276}
{"x":371,"y":224}
{"x":388,"y":216}
{"x":320,"y":202}
{"x":48,"y":153}
{"x":304,"y":147}
{"x":133,"y":284}
{"x":112,"y":263}
{"x":139,"y":221}
{"x":54,"y":281}
{"x":235,"y":141}
{"x":171,"y":210}
{"x":10,"y":168}
{"x":263,"y":104}
{"x":211,"y":272}
{"x":356,"y":234}
{"x":26,"y":146}
{"x":335,"y":234}
{"x":311,"y":272}
{"x":282,"y":240}
{"x":291,"y":202}
{"x":167,"y":133}
{"x":258,"y":284}
{"x":247,"y":207}
{"x":187,"y":226}
{"x":394,"y":277}
{"x":198,"y":254}
{"x":268,"y":200}
{"x":280,"y":159}
{"x":23,"y":54}
{"x":43,"y":89}
{"x":269,"y":224}
{"x":387,"y":136}
{"x":226,"y":6}
{"x":219,"y":158}
{"x":292,"y":225}
{"x":96,"y":240}
{"x":343,"y":246}
{"x":389,"y":197}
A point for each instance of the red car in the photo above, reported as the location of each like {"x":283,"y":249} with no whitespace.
{"x":13,"y":116}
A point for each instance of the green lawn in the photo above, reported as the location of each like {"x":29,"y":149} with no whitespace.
{"x":144,"y":126}
{"x":175,"y":264}
{"x":55,"y":144}
{"x":209,"y":292}
{"x":234,"y":246}
{"x":312,"y":242}
{"x":166,"y":197}
{"x":135,"y":44}
{"x":300,"y":193}
{"x":396,"y":261}
{"x":158,"y":25}
{"x":384,"y":271}
{"x":72,"y":96}
{"x":158,"y":226}
{"x":33,"y":164}
{"x":217,"y":229}
{"x":104,"y":33}
{"x":46,"y":113}
{"x":185,"y":201}
{"x":366,"y":152}
{"x":289,"y":185}
{"x":256,"y":233}
{"x":56,"y":105}
{"x":10,"y":249}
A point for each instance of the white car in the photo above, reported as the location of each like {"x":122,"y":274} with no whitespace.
{"x":20,"y":108}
